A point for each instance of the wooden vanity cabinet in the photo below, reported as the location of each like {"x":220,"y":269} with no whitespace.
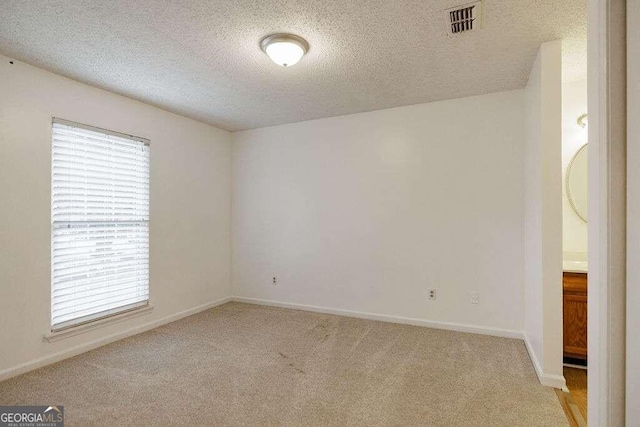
{"x":574,"y":302}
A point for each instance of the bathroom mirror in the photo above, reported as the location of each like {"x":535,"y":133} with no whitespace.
{"x":576,"y":182}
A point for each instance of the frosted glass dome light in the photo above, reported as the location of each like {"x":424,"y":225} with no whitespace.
{"x":284,"y":49}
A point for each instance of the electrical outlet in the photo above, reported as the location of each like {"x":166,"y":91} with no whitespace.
{"x":274,"y":280}
{"x":433,"y":294}
{"x":475,"y":297}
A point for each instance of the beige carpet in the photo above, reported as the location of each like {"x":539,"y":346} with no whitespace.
{"x":241,"y":364}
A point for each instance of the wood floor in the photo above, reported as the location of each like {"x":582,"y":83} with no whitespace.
{"x":574,"y":403}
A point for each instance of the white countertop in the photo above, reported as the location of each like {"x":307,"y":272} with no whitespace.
{"x":574,"y":266}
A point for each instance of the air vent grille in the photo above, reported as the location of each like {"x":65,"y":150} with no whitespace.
{"x":464,"y":18}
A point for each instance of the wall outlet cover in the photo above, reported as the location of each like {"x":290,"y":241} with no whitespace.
{"x":475,"y":297}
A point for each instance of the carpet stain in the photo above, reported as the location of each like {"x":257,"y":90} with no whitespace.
{"x":297,"y":369}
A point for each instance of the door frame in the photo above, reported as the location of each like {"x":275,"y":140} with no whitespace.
{"x":607,"y":211}
{"x":633,"y":215}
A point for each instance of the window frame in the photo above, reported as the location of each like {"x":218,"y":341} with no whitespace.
{"x":125,"y":311}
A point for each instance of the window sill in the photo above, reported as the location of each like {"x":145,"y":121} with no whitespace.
{"x":97,"y":324}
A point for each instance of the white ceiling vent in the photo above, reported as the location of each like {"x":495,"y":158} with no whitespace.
{"x":463,"y":19}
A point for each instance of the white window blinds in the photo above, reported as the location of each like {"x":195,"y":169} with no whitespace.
{"x":99,"y":224}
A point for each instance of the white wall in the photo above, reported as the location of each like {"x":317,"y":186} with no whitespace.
{"x":543,"y":215}
{"x":366,"y":212}
{"x":190,"y":206}
{"x":574,"y":104}
{"x":633,"y":215}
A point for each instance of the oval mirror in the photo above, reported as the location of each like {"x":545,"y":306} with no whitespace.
{"x":576,"y":182}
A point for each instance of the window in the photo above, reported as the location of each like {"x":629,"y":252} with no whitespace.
{"x":99,"y":224}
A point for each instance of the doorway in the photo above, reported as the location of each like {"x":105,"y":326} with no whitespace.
{"x":575,"y":152}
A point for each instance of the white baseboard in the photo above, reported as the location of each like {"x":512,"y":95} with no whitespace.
{"x":82,"y":348}
{"x":555,"y":381}
{"x":496,"y":332}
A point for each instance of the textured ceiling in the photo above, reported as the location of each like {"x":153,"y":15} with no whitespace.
{"x":201,"y":58}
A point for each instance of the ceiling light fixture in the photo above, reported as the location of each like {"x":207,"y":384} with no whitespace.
{"x":284,"y":49}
